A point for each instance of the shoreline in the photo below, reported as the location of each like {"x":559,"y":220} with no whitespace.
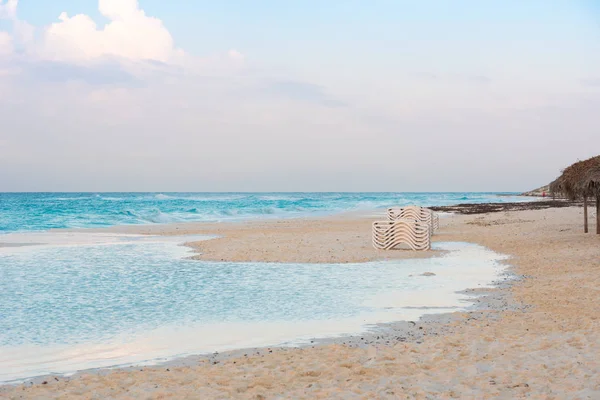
{"x":307,"y":240}
{"x":521,"y":303}
{"x":485,"y":304}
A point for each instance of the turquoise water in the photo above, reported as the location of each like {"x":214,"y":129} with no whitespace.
{"x":72,"y":300}
{"x":88,"y":300}
{"x":41,"y":211}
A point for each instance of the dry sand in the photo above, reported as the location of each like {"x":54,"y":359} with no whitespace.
{"x":547,"y":350}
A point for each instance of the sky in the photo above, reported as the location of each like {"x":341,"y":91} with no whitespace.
{"x":338,"y":95}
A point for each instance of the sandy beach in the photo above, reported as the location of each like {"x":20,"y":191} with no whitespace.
{"x":541,"y":340}
{"x":195,"y":197}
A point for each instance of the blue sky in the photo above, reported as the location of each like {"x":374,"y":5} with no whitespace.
{"x":311,"y":95}
{"x":297,"y":34}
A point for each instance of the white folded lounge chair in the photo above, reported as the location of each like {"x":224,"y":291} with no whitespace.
{"x":409,"y":231}
{"x":419,"y":213}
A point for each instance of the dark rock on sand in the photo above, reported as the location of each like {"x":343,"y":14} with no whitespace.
{"x":484,"y":208}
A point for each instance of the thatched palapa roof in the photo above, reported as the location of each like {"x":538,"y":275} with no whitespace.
{"x":590,"y":182}
{"x":581,"y":179}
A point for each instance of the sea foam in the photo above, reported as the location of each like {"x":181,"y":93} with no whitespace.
{"x":42,"y":211}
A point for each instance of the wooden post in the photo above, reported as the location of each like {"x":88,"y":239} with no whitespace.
{"x":585,"y":215}
{"x":598,"y":214}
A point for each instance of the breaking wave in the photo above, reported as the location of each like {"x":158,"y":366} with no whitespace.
{"x":42,"y":211}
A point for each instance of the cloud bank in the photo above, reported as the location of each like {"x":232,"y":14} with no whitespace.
{"x":120,"y":107}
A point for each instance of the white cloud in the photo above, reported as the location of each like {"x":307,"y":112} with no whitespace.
{"x":130,"y":34}
{"x":235,"y":55}
{"x":8,"y":9}
{"x":131,"y":38}
{"x":6,"y":46}
{"x":22,"y":32}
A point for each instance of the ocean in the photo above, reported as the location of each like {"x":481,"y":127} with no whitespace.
{"x":76,"y":299}
{"x":21,"y":212}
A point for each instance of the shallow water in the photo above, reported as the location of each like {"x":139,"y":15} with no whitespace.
{"x":42,"y":211}
{"x":87,"y":300}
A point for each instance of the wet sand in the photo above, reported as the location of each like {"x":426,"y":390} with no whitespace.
{"x":538,"y":337}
